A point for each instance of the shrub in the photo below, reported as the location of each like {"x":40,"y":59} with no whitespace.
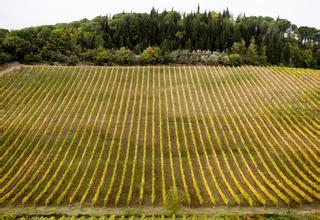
{"x":101,"y":56}
{"x":175,"y":199}
{"x":173,"y":56}
{"x":262,"y":57}
{"x":152,"y":55}
{"x":137,"y":59}
{"x":252,"y":54}
{"x":224,"y":59}
{"x":194,"y":57}
{"x":239,"y":48}
{"x":31,"y":58}
{"x":183,"y":56}
{"x":87,"y":55}
{"x":138,"y":48}
{"x":213,"y":59}
{"x":166,"y":58}
{"x":123,"y":56}
{"x":235,"y":59}
{"x":60,"y":58}
{"x":72,"y":60}
{"x":48,"y":55}
{"x":4,"y":58}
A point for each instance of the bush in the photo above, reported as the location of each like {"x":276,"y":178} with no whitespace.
{"x":60,"y":58}
{"x":72,"y":60}
{"x":87,"y":55}
{"x":175,"y":199}
{"x":152,"y":55}
{"x":48,"y":55}
{"x":4,"y":58}
{"x":194,"y":57}
{"x":213,"y":59}
{"x":31,"y":58}
{"x":53,"y":57}
{"x":183,"y":56}
{"x":137,"y":59}
{"x":252,"y":54}
{"x":138,"y":48}
{"x":173,"y":56}
{"x":224,"y":59}
{"x":262,"y":57}
{"x":123,"y":56}
{"x":101,"y":56}
{"x":235,"y":59}
{"x":8,"y":217}
{"x":166,"y":58}
{"x":239,"y":48}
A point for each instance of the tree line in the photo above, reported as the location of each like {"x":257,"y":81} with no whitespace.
{"x":166,"y":37}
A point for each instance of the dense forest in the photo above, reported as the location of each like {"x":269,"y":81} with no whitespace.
{"x":166,"y":37}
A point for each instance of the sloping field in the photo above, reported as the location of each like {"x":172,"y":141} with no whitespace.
{"x":124,"y":136}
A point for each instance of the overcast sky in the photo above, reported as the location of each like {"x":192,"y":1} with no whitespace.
{"x":16,"y":14}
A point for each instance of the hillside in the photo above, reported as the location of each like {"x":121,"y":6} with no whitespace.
{"x":125,"y":136}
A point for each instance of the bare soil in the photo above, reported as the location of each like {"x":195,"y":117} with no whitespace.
{"x":213,"y":211}
{"x":9,"y":67}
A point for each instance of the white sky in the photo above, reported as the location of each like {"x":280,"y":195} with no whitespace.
{"x":16,"y":14}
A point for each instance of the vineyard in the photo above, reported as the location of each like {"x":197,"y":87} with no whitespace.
{"x":124,"y":136}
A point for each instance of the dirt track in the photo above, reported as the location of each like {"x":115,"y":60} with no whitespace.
{"x":9,"y":67}
{"x":214,"y":211}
